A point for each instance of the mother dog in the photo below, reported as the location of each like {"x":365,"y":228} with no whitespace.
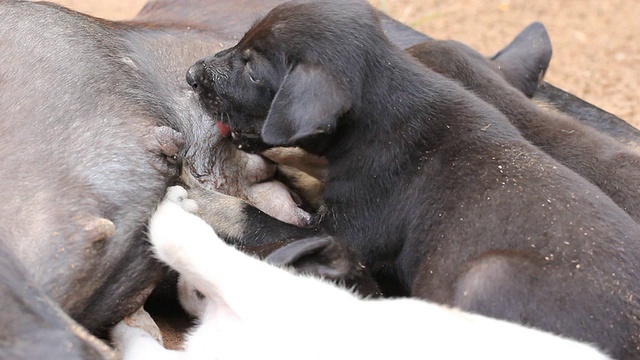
{"x":433,"y":187}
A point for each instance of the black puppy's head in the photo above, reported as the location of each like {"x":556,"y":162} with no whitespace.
{"x":292,"y":75}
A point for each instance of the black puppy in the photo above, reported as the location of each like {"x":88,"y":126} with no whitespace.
{"x":431,"y":186}
{"x":599,"y":158}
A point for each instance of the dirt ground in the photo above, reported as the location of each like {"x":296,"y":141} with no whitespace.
{"x":596,"y":42}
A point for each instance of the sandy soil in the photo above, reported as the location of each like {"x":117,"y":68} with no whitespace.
{"x":596,"y":43}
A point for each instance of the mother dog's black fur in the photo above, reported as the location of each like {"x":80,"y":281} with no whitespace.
{"x":431,"y":185}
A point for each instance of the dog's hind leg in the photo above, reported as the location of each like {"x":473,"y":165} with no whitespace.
{"x":529,"y":289}
{"x":496,"y":282}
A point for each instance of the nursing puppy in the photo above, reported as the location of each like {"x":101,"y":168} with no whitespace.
{"x":258,"y":311}
{"x":435,"y":189}
{"x":597,"y":157}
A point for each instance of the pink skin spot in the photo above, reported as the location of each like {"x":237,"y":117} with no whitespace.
{"x":225,"y":129}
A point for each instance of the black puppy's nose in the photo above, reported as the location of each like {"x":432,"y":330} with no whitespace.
{"x":196,"y":74}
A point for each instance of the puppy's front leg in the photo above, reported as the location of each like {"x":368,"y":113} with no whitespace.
{"x":219,"y":271}
{"x":185,"y":242}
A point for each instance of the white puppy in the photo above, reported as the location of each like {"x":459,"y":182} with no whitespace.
{"x":258,"y":311}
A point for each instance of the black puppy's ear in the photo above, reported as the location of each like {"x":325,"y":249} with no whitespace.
{"x":525,"y":61}
{"x":309,"y":102}
{"x":322,"y":255}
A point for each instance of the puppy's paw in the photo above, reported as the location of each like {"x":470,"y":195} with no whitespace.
{"x":192,"y":300}
{"x":178,"y":236}
{"x":140,"y":324}
{"x":179,"y":195}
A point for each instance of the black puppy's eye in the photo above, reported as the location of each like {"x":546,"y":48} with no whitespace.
{"x":254,"y":80}
{"x":252,"y":77}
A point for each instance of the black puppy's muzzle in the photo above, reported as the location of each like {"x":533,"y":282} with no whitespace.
{"x":202,"y":80}
{"x":250,"y":143}
{"x":196,"y":75}
{"x":206,"y":73}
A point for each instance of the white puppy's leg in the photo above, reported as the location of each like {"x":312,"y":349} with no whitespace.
{"x":192,"y":301}
{"x":219,"y":271}
{"x":138,"y":337}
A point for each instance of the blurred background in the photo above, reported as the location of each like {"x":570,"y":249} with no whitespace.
{"x":596,"y":43}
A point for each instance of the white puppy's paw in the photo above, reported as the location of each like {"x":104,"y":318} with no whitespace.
{"x":178,"y":236}
{"x":179,"y":195}
{"x":139,"y":324}
{"x":192,"y":301}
